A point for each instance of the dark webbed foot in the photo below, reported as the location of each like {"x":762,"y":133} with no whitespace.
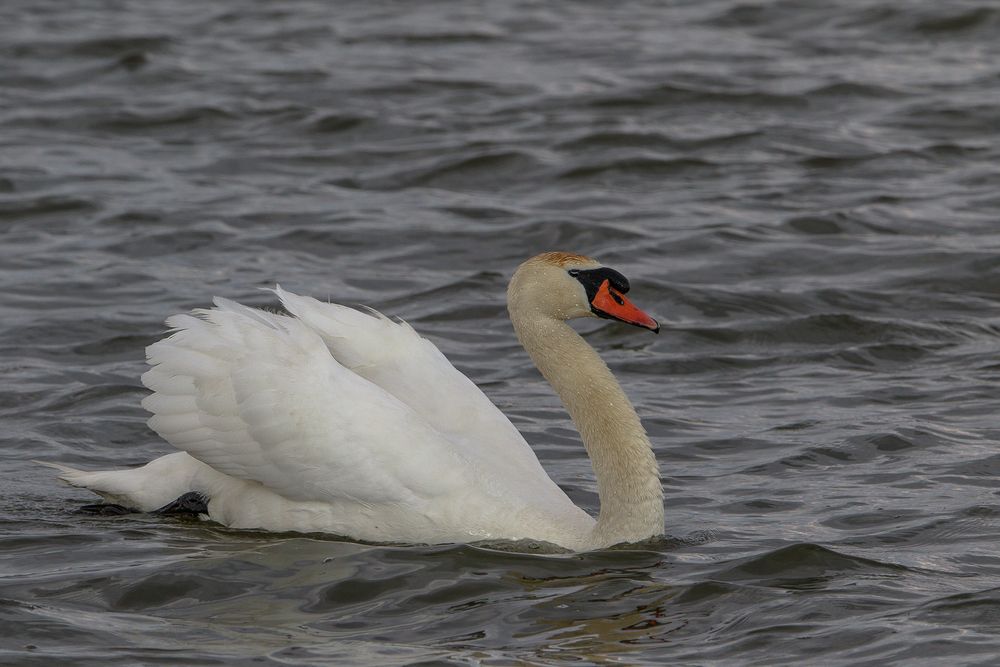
{"x":189,"y":503}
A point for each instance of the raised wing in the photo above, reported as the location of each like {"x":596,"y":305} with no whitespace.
{"x":396,"y":358}
{"x":258,"y":396}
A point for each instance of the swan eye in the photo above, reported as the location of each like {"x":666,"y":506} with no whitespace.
{"x":574,"y":272}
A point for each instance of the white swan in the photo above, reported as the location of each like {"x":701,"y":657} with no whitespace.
{"x":338,"y":421}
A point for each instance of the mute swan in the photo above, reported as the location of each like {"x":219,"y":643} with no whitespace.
{"x":334,"y":420}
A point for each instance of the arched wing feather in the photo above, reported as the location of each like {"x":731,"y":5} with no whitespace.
{"x":396,"y":358}
{"x":259,"y":397}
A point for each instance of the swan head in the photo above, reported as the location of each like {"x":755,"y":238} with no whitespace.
{"x":567,"y":286}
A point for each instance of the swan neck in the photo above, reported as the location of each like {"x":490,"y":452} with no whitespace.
{"x":628,"y":479}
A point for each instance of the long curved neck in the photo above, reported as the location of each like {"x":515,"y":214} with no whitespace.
{"x":628,"y":478}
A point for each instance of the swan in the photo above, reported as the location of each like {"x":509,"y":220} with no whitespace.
{"x":335,"y":420}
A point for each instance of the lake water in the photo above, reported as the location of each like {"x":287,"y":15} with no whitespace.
{"x":805,"y":194}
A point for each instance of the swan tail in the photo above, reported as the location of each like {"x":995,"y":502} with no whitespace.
{"x":146,"y":488}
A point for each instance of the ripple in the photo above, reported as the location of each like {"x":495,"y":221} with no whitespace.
{"x":132,"y":121}
{"x":168,"y":243}
{"x":487,"y":170}
{"x":804,"y":565}
{"x":676,"y":94}
{"x":977,"y":611}
{"x":637,"y":165}
{"x":958,"y":21}
{"x":125,"y":44}
{"x":45,"y":206}
{"x":337,"y":122}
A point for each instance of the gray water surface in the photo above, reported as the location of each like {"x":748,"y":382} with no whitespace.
{"x":805,"y":193}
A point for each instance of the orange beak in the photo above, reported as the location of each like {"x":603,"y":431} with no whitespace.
{"x":610,"y":303}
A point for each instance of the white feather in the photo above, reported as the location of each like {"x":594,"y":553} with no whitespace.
{"x":332,"y":420}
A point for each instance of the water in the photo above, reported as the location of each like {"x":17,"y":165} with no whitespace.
{"x":805,"y":193}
